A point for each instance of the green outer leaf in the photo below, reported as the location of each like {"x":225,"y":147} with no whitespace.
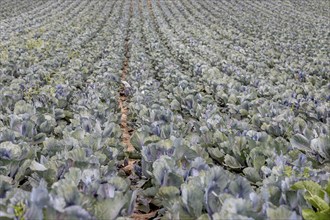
{"x":110,"y":208}
{"x":204,"y":217}
{"x":317,"y":202}
{"x":137,"y":140}
{"x":191,"y":197}
{"x":35,"y":166}
{"x":300,"y":142}
{"x":232,"y":162}
{"x":169,"y":195}
{"x":321,"y":145}
{"x":252,"y":174}
{"x":280,"y":213}
{"x":312,"y":187}
{"x":327,"y":188}
{"x":21,"y":173}
{"x":309,"y":214}
{"x":161,"y":168}
{"x":259,"y":161}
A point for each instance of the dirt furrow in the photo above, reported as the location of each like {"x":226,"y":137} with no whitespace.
{"x":123,"y":98}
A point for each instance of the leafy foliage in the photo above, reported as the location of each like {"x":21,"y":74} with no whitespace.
{"x":317,"y":197}
{"x":226,"y":103}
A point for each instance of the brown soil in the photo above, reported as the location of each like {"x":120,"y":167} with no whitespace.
{"x":123,"y":98}
{"x":149,"y":215}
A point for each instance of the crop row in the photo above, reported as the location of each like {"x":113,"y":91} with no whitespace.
{"x":223,"y":112}
{"x":60,"y":133}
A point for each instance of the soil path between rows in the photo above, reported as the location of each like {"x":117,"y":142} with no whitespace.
{"x":123,"y":101}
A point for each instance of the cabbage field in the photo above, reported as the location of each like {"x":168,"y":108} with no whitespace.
{"x":165,"y":109}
